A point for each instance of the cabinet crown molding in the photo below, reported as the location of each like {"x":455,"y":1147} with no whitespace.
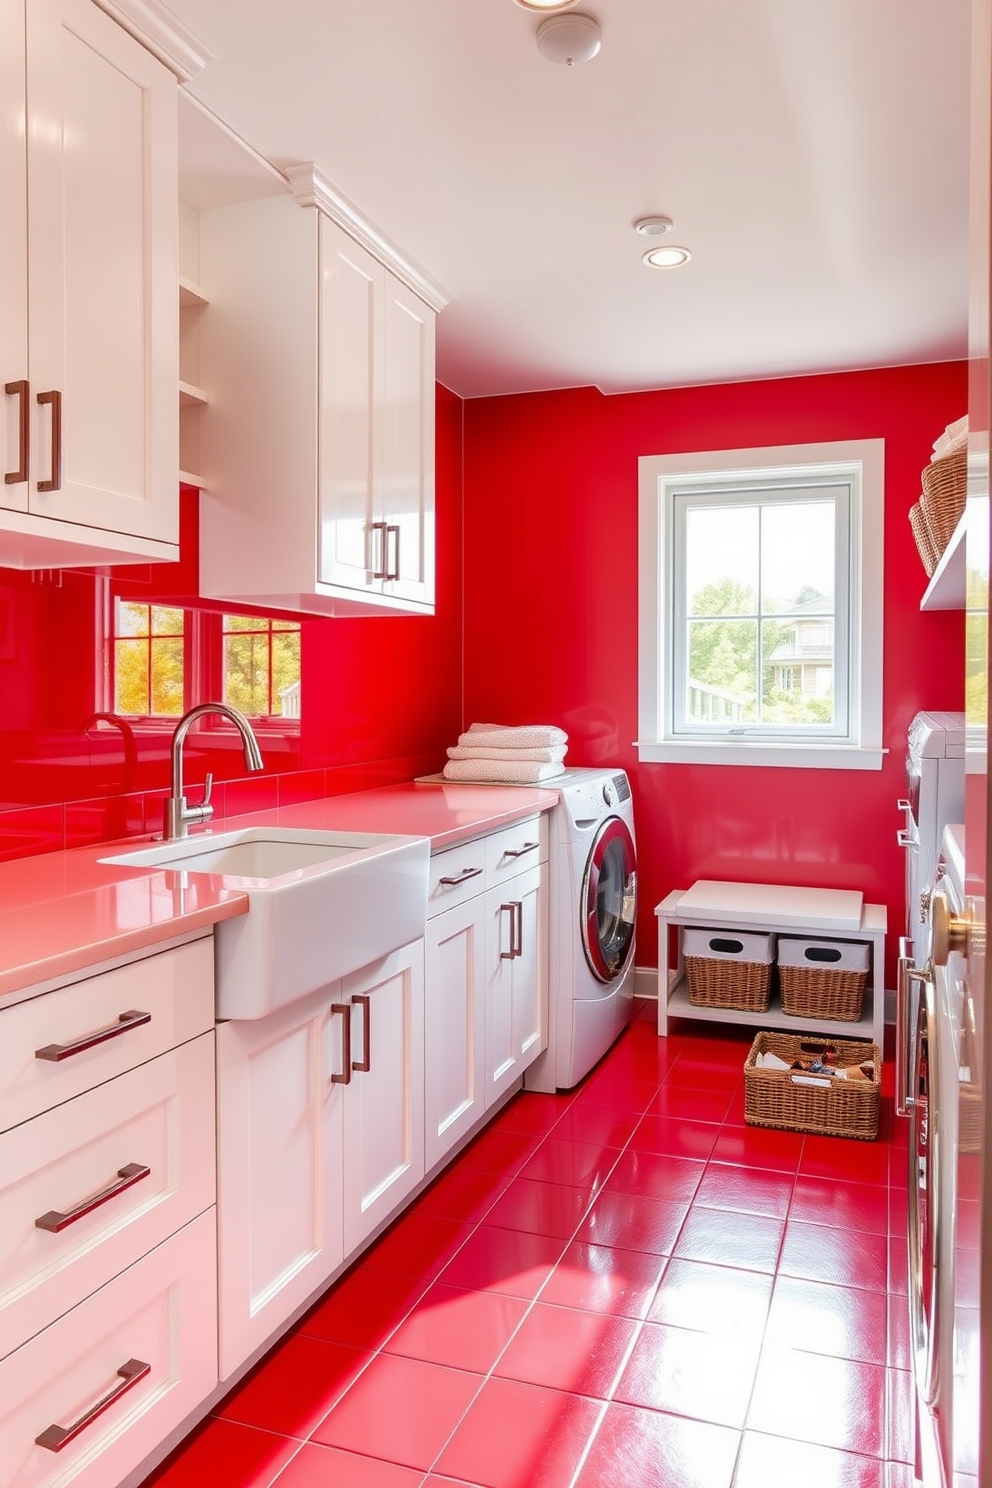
{"x":163,"y":33}
{"x":313,"y":189}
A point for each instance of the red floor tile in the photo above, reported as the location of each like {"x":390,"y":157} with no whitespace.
{"x":531,"y":1112}
{"x":706,"y":1376}
{"x":465,"y":1330}
{"x":630,"y":1222}
{"x":846,"y":1206}
{"x":898,"y":1278}
{"x":580,"y":1164}
{"x":707,"y":1074}
{"x":845,"y":1159}
{"x":637,"y":1448}
{"x":295,"y":1386}
{"x":774,"y":1462}
{"x":693,"y":1139}
{"x":363,"y":1308}
{"x":900,"y":1416}
{"x":619,"y":1089}
{"x":496,"y":1151}
{"x":601,"y":1279}
{"x":841,"y":1257}
{"x":712,"y":1299}
{"x":757,"y":1147}
{"x":821,"y":1319}
{"x":520,"y":1436}
{"x":225,"y":1455}
{"x":899,"y":1349}
{"x":812,"y":1398}
{"x":316,"y":1467}
{"x":565,"y":1349}
{"x":899,"y":1213}
{"x":746,"y":1242}
{"x":596,"y":1124}
{"x":540,"y":1208}
{"x":745,"y":1191}
{"x":401,"y":1410}
{"x":686,"y":1104}
{"x":510,"y":1261}
{"x":418,"y":1245}
{"x":463,"y":1193}
{"x":656,"y":1176}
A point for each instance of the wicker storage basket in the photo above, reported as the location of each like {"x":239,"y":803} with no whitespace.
{"x":822,"y":979}
{"x":831,"y":1108}
{"x":924,"y":542}
{"x":728,"y":969}
{"x":945,"y":485}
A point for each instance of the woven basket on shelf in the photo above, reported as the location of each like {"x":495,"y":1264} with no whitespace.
{"x":744,"y":986}
{"x":822,"y":992}
{"x":924,"y":542}
{"x":945,"y":486}
{"x":835,"y":1108}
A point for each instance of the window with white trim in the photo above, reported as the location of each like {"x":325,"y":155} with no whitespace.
{"x":761,"y":606}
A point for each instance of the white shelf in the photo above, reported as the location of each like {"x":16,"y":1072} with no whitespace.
{"x":946,"y":589}
{"x":773,"y":1017}
{"x":188,"y":478}
{"x":190,"y":395}
{"x":190,"y":294}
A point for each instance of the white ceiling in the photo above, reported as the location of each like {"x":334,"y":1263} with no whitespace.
{"x":812,"y":153}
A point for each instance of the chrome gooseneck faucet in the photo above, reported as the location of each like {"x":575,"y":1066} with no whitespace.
{"x":178,"y":815}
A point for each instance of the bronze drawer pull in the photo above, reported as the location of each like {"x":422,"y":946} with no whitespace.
{"x":54,"y":1438}
{"x":516,"y":912}
{"x":55,"y":1220}
{"x":55,"y":399}
{"x":460,"y":878}
{"x":518,"y":852}
{"x":381,"y":571}
{"x":344,"y":1078}
{"x":125,"y":1022}
{"x":21,"y":390}
{"x":365,"y":1003}
{"x":392,"y":571}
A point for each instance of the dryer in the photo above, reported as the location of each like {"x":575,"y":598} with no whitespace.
{"x":592,"y":874}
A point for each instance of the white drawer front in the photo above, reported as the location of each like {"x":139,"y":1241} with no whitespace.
{"x":158,"y":1118}
{"x":514,"y":849}
{"x":161,"y":1312}
{"x":175,"y":987}
{"x":457,"y":874}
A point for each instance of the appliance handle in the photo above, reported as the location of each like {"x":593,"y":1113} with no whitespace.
{"x":906,"y":976}
{"x":905,"y":838}
{"x":924,"y":1268}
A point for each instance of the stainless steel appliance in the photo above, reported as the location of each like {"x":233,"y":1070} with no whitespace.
{"x":934,"y":796}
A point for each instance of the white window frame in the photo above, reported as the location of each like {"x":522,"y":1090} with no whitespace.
{"x":858,"y":464}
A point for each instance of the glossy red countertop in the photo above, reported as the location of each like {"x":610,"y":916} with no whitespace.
{"x":62,"y":912}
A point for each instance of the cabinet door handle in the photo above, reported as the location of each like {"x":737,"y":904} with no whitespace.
{"x":344,"y":1078}
{"x":393,"y":571}
{"x":460,"y":878}
{"x":54,"y":1438}
{"x":57,"y":1220}
{"x":21,"y":391}
{"x":55,"y":1053}
{"x":518,"y":852}
{"x":54,"y":397}
{"x":362,"y":1066}
{"x":515,"y":911}
{"x":380,"y":568}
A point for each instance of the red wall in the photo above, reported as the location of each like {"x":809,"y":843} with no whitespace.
{"x":551,"y":615}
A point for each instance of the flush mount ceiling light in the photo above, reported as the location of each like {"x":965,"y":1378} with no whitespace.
{"x":666,"y":258}
{"x":568,"y":38}
{"x":547,"y":7}
{"x":653,"y":227}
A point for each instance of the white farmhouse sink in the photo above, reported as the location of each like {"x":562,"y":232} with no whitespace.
{"x":320,"y":905}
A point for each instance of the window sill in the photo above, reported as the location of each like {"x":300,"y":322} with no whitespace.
{"x":787,"y":756}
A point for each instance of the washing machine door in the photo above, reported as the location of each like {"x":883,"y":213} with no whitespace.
{"x":608,"y":906}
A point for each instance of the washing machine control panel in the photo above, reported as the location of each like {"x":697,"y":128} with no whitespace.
{"x":609,"y":794}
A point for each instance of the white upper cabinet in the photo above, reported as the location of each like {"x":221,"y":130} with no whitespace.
{"x":88,"y":273}
{"x":317,"y":446}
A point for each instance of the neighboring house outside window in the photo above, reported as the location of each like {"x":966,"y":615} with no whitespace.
{"x":761,"y":606}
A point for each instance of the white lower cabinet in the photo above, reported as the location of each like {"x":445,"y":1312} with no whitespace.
{"x":320,"y":1136}
{"x":87,"y":1399}
{"x":515,"y":979}
{"x":455,"y":1027}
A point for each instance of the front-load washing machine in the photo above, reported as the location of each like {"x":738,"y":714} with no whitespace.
{"x":592,"y":874}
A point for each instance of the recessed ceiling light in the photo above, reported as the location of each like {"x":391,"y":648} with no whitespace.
{"x":653,"y":227}
{"x":666,"y":258}
{"x":547,"y":7}
{"x":569,"y":38}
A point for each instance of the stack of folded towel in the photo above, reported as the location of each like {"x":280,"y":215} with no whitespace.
{"x":521,"y":755}
{"x":954,"y":437}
